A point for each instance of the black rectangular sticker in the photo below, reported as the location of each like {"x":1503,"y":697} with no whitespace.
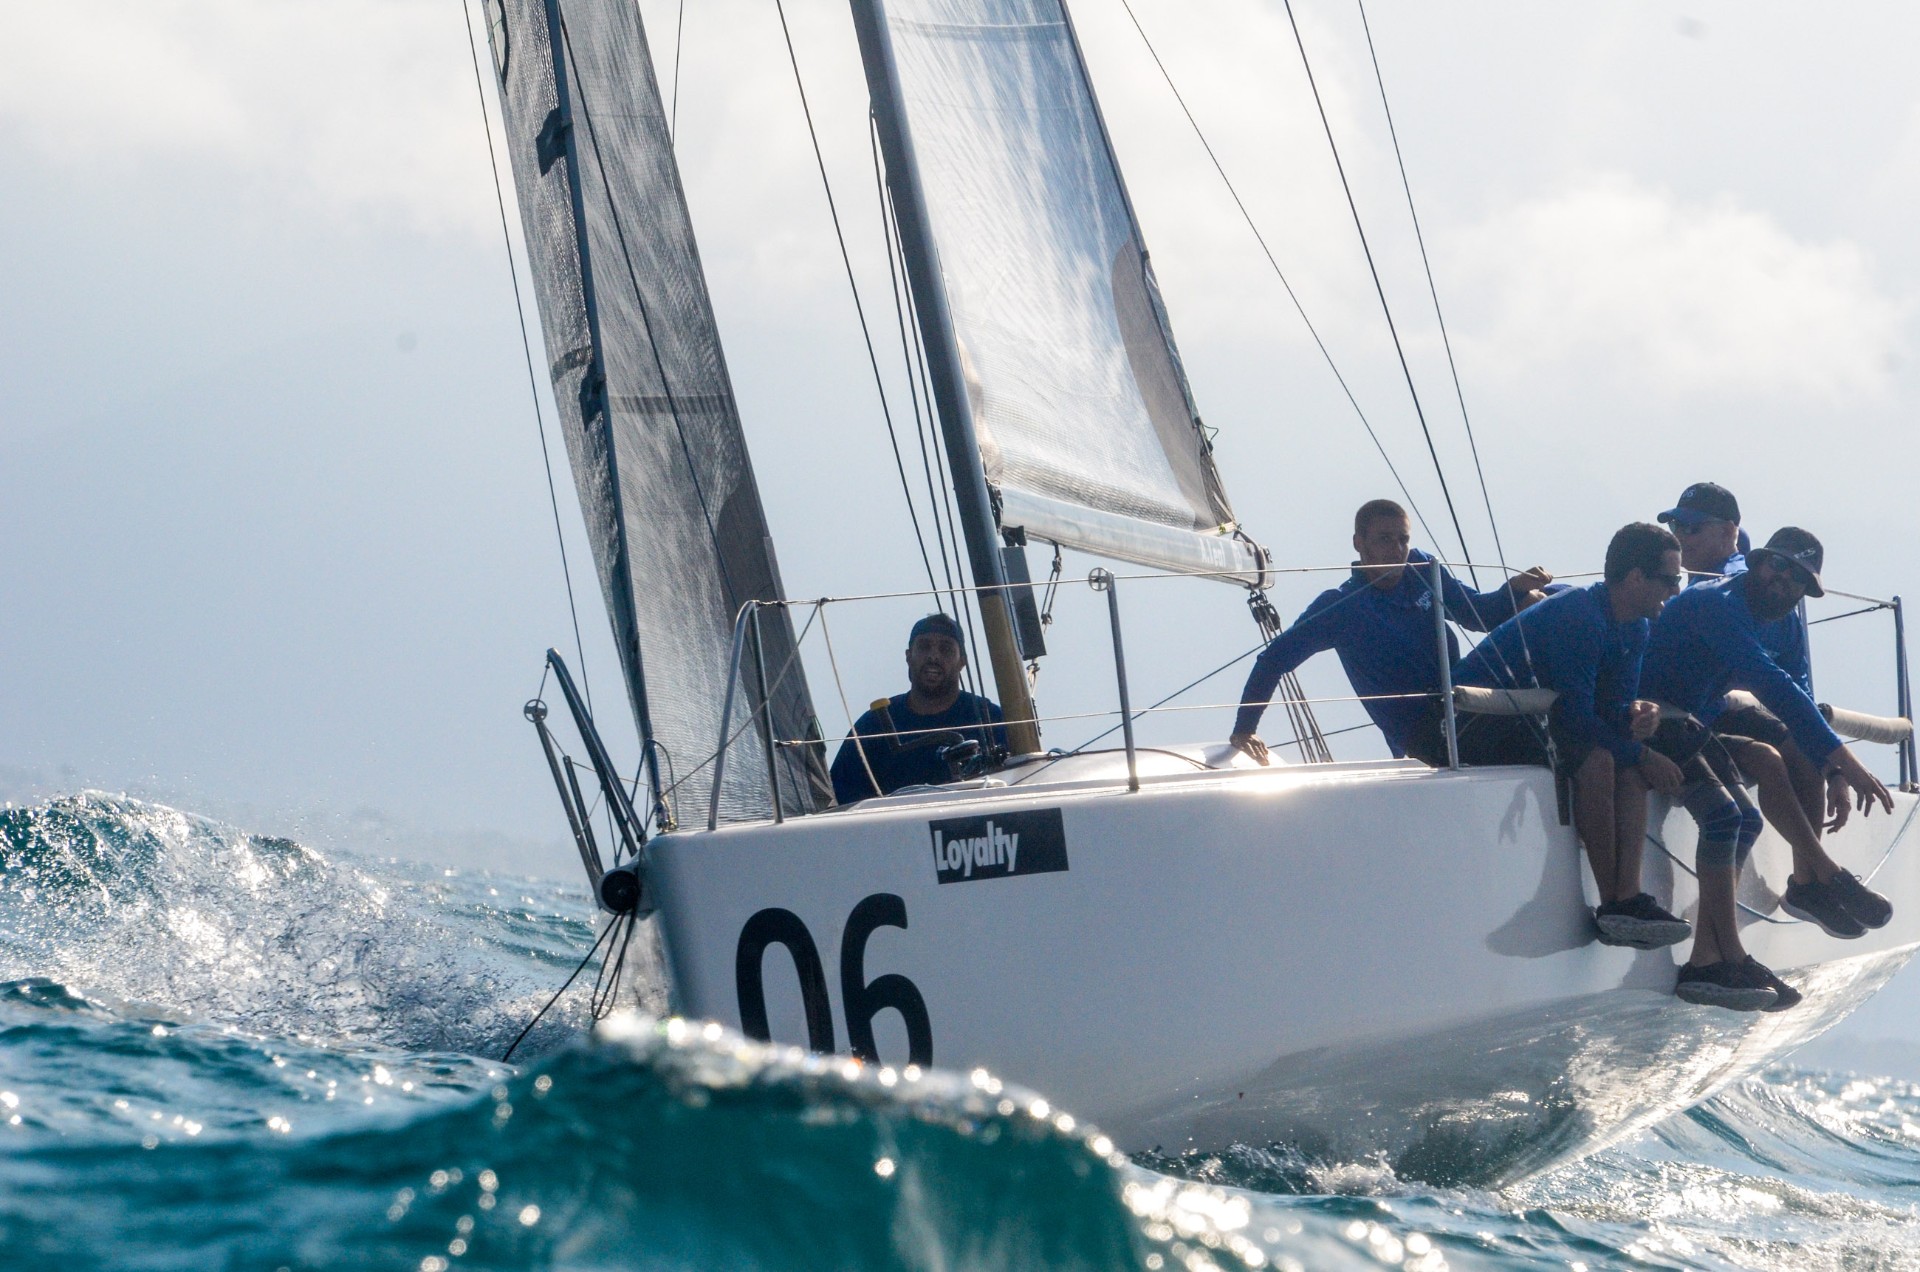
{"x":999,"y":846}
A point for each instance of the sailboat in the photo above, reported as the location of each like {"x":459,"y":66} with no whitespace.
{"x":1371,"y":959}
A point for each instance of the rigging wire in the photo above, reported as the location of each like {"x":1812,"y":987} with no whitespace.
{"x":920,"y":391}
{"x":1446,"y":341}
{"x":853,"y":286}
{"x":920,"y":423}
{"x":1380,"y":289}
{"x":1285,"y":283}
{"x":673,"y":110}
{"x":526,"y":347}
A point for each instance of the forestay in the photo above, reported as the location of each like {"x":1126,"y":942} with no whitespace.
{"x":1086,"y":428}
{"x":675,"y":519}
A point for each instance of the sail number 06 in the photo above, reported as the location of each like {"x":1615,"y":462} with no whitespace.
{"x":864,"y":999}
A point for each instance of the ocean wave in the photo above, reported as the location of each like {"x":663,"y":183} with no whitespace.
{"x":138,"y":902}
{"x":220,"y":1049}
{"x":658,"y":1145}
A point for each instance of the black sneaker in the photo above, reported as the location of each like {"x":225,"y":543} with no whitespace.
{"x":1639,"y":923}
{"x":1819,"y":903}
{"x":1862,"y":902}
{"x":1785,"y":995}
{"x":1728,"y":984}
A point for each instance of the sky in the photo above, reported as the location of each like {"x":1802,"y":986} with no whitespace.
{"x":278,"y":543}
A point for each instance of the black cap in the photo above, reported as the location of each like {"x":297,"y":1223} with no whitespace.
{"x":937,"y":625}
{"x":1791,"y":545}
{"x":1704,"y":501}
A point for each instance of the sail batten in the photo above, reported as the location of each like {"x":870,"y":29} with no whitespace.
{"x":678,"y":533}
{"x":1074,"y":390}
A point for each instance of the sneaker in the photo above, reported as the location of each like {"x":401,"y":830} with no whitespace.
{"x":1785,"y":995}
{"x":1862,"y":902}
{"x":1728,"y":984}
{"x":1639,"y":923}
{"x":1819,"y":903}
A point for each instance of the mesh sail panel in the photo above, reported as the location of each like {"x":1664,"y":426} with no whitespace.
{"x":678,"y":533}
{"x":1079,"y":402}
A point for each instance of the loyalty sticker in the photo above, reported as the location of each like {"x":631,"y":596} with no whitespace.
{"x":999,"y":846}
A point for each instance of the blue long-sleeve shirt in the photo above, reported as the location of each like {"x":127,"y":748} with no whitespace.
{"x":1708,"y":641}
{"x":913,"y":759}
{"x":1570,"y":643}
{"x":1385,"y":640}
{"x":1784,"y":638}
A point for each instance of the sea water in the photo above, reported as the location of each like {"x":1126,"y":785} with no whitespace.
{"x":222,"y":1050}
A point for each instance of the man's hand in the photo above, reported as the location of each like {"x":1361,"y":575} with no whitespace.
{"x":1839,"y":807}
{"x":1250,"y":745}
{"x":1643,"y":718}
{"x":1867,"y":788}
{"x":1529,"y":580}
{"x":1662,"y":774}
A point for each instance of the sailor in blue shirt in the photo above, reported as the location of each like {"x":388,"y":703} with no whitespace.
{"x":1710,"y":641}
{"x":1586,"y":644}
{"x":1706,"y":520}
{"x":1380,"y":622}
{"x":908,"y":739}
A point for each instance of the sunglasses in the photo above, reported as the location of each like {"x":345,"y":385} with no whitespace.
{"x":1671,"y":581}
{"x":1777,"y":565}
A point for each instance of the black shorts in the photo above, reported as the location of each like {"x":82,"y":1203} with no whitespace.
{"x":1755,"y":723}
{"x":1498,"y":739}
{"x":1697,"y":751}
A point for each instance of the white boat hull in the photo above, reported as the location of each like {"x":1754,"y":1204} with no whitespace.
{"x":1357,"y":960}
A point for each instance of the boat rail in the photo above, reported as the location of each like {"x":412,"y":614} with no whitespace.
{"x":1106,"y":582}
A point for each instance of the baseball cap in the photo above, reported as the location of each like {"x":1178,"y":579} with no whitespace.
{"x":1704,"y":501}
{"x":1799,"y":549}
{"x":937,"y":625}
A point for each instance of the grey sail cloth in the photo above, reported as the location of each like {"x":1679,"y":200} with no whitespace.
{"x":675,"y":520}
{"x":1086,"y":428}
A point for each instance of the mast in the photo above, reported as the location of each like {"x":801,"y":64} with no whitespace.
{"x":974,"y":503}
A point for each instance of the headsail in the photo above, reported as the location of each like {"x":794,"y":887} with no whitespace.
{"x":678,"y":532}
{"x":1086,"y":429}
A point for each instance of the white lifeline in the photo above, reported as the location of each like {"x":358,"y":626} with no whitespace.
{"x":1353,"y":959}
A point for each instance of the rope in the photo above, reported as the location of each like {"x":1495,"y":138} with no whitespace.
{"x":604,"y":998}
{"x":866,"y":334}
{"x":1446,"y":341}
{"x":853,"y":730}
{"x":568,"y":984}
{"x":1279,"y":273}
{"x":1380,"y":289}
{"x":526,"y":348}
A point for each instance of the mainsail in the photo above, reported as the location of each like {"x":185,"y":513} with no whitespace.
{"x":675,"y":519}
{"x":1087,"y":432}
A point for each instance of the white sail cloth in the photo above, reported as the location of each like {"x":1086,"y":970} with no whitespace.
{"x":1086,"y":429}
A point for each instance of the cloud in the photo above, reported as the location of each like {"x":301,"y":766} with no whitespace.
{"x":353,"y":106}
{"x":1710,"y":298}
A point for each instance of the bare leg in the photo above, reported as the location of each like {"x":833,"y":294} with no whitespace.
{"x":1808,"y":785}
{"x":1593,"y":821}
{"x":1629,"y":831}
{"x":1780,"y":801}
{"x":1716,"y":927}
